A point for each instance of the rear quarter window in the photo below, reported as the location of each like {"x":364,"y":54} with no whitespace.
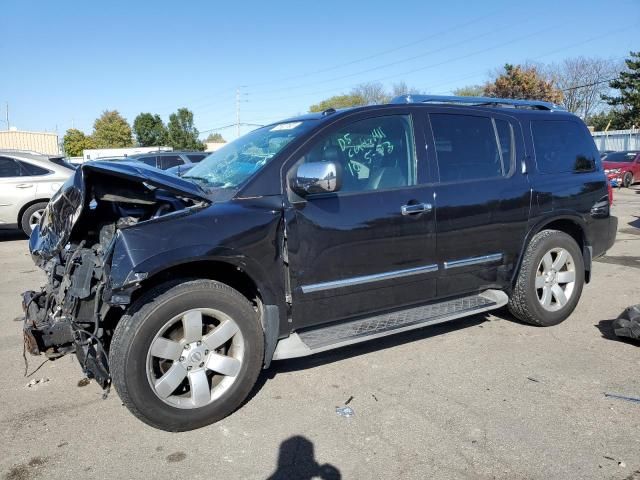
{"x":563,"y":146}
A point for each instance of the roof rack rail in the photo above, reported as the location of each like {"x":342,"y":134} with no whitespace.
{"x":479,"y":101}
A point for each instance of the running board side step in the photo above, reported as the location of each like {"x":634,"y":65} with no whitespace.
{"x":320,"y":339}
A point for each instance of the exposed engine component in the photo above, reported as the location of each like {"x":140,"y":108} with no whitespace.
{"x":70,"y":314}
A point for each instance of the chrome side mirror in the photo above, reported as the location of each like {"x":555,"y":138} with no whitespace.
{"x":317,"y":177}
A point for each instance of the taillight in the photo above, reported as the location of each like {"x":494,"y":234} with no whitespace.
{"x":610,"y":191}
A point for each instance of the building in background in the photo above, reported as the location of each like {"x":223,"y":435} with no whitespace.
{"x":40,"y":142}
{"x":617,"y":140}
{"x":98,"y":153}
{"x":213,"y":146}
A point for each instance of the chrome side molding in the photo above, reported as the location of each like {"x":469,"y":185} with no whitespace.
{"x":348,"y":282}
{"x":465,"y":262}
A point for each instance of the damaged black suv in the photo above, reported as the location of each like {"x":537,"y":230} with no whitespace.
{"x":314,"y":233}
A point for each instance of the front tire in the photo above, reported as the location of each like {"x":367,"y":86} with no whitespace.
{"x":627,"y":180}
{"x":186,"y":355}
{"x":550,"y":280}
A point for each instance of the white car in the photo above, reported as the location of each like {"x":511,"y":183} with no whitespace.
{"x":27,"y":181}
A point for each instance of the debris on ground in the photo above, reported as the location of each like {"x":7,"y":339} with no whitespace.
{"x":36,"y":381}
{"x":533,"y":380}
{"x":83,"y":382}
{"x":628,"y":323}
{"x":345,"y":411}
{"x":349,"y":400}
{"x":623,"y":397}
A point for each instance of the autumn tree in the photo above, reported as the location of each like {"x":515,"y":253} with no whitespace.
{"x":215,"y":138}
{"x":523,"y":83}
{"x":75,"y":141}
{"x":470,"y":91}
{"x":182,"y":133}
{"x":626,"y":105}
{"x":111,"y":130}
{"x":149,"y":130}
{"x":339,"y":101}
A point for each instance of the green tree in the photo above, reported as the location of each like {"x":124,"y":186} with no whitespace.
{"x":111,"y":130}
{"x":609,"y":120}
{"x":75,"y":142}
{"x":149,"y":130}
{"x":183,"y":135}
{"x":469,"y":91}
{"x":627,"y":102}
{"x":215,"y":138}
{"x":523,"y":83}
{"x":339,"y":101}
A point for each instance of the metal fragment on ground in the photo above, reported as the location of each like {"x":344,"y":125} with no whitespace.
{"x":623,"y":397}
{"x":345,"y":411}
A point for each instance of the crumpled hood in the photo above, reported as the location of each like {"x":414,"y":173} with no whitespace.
{"x":66,"y":206}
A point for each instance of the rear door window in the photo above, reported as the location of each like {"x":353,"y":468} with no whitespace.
{"x":9,"y":168}
{"x":32,"y":170}
{"x":148,"y":160}
{"x":168,"y":161}
{"x":563,"y":146}
{"x":467,"y":146}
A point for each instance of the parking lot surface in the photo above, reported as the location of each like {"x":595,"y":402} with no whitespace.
{"x":481,"y":397}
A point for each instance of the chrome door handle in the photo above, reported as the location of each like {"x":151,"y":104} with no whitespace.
{"x":415,"y":208}
{"x":24,"y":185}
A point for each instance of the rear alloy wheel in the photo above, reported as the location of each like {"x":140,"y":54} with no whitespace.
{"x":31,"y":217}
{"x":550,"y":280}
{"x":187,"y":354}
{"x":627,"y":180}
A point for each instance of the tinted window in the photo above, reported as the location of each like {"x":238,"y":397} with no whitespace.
{"x":195,"y":158}
{"x":32,"y":170}
{"x":9,"y":167}
{"x":467,"y":148}
{"x":376,"y":153}
{"x":148,"y":160}
{"x":563,"y":146}
{"x":169,"y":161}
{"x":621,"y":157}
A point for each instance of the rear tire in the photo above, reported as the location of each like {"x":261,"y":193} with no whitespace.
{"x":550,"y":280}
{"x":31,"y":216}
{"x":158,"y":337}
{"x":627,"y":180}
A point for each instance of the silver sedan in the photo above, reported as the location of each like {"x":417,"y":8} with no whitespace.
{"x":27,"y":182}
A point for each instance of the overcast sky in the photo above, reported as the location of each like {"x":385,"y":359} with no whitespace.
{"x":63,"y":63}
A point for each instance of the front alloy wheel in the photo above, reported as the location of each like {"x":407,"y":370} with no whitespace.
{"x":186,"y":354}
{"x":195,"y":357}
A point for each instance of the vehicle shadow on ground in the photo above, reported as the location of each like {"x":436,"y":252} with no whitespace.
{"x":606,"y":330}
{"x":296,"y":459}
{"x":10,"y":235}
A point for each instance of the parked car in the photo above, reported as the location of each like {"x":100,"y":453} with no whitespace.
{"x":180,"y":170}
{"x":314,"y":233}
{"x":622,"y":168}
{"x":165,"y":160}
{"x":27,"y":181}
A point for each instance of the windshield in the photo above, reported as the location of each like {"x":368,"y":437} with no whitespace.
{"x":237,"y":161}
{"x":621,"y":157}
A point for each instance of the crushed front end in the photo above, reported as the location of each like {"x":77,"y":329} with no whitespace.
{"x":77,"y":310}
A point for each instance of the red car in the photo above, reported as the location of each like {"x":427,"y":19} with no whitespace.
{"x":622,"y":168}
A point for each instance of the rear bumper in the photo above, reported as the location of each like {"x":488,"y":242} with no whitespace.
{"x":611,"y":237}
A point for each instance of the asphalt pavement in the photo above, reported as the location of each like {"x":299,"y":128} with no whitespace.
{"x":481,"y":398}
